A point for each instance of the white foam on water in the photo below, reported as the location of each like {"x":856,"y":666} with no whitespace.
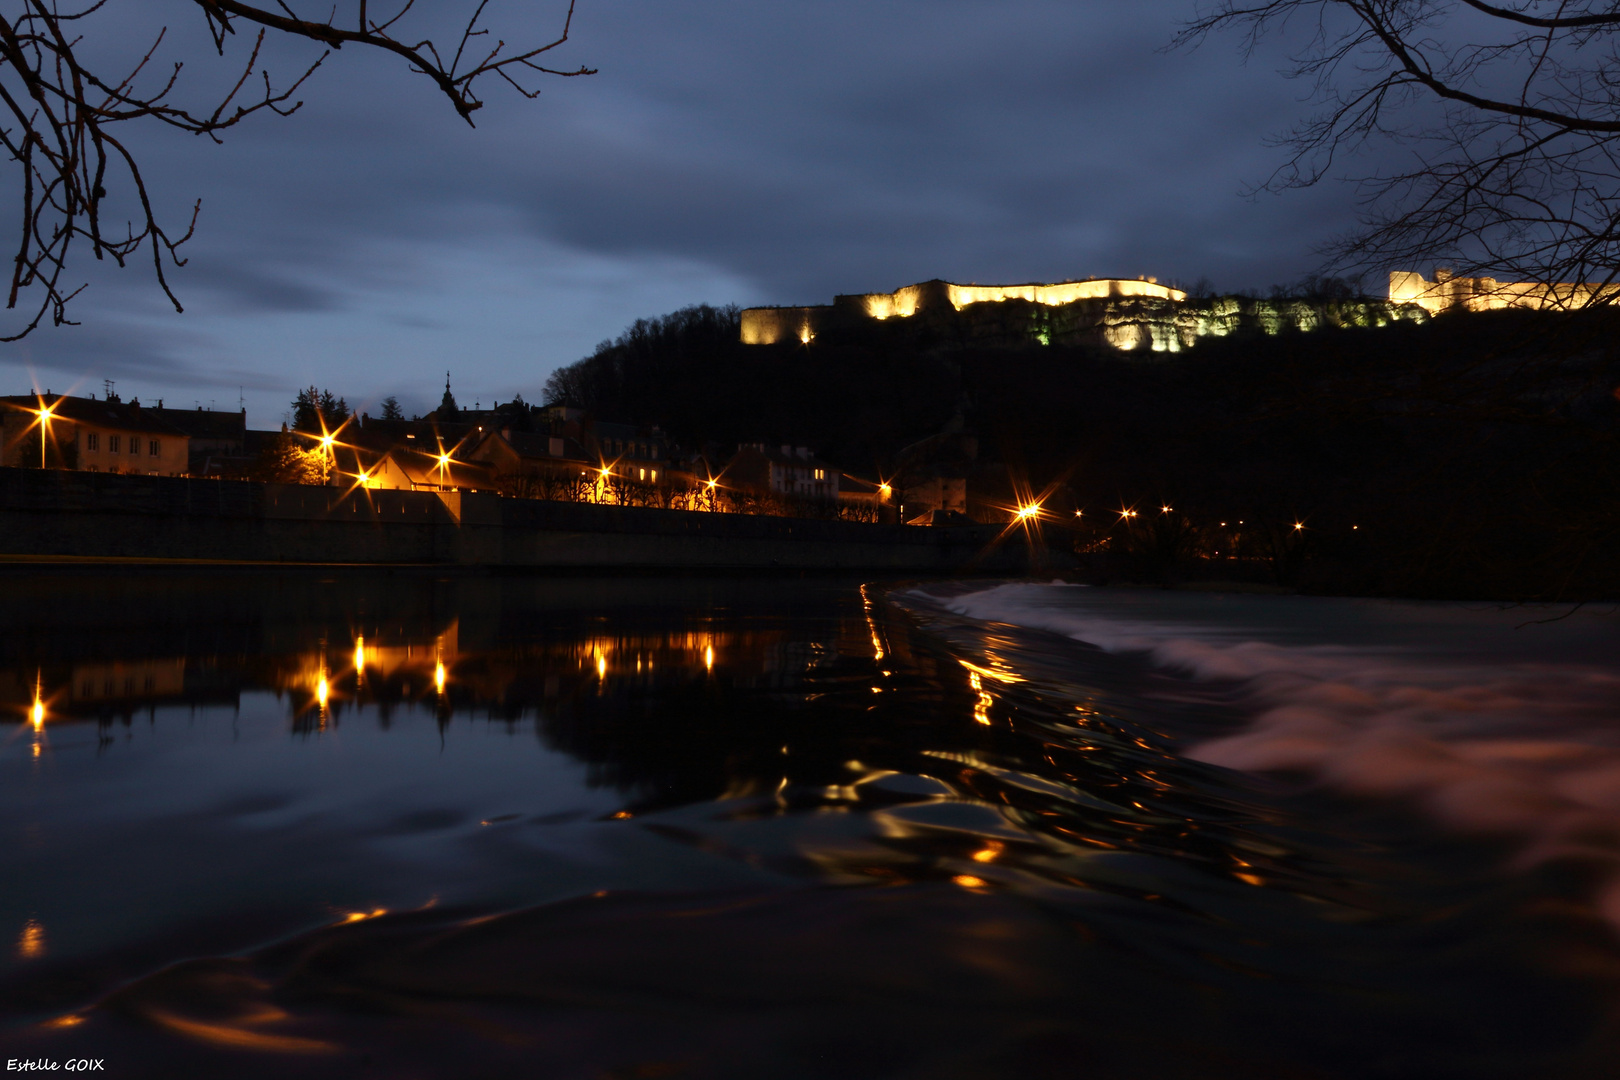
{"x":1485,"y":741}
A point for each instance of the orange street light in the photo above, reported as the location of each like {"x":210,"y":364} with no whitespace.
{"x":1027,"y":512}
{"x":46,"y":415}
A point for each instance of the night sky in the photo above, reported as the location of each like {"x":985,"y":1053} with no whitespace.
{"x":727,"y":152}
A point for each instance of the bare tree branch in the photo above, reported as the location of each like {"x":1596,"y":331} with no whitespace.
{"x":57,"y":116}
{"x":1511,"y":112}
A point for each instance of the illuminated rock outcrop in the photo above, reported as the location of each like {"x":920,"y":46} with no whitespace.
{"x":1127,"y":315}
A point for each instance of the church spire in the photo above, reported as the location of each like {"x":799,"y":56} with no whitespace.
{"x":447,"y":407}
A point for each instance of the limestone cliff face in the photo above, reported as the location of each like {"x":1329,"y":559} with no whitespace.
{"x":1125,"y":315}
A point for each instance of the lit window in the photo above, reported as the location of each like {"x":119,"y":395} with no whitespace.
{"x":92,"y":441}
{"x":112,"y":444}
{"x":643,"y":475}
{"x":655,"y":476}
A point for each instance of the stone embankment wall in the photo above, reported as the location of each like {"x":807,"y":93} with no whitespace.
{"x":102,"y":516}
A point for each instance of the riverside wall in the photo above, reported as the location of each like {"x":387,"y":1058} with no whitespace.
{"x":54,"y":514}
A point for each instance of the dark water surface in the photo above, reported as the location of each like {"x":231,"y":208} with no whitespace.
{"x":373,"y":826}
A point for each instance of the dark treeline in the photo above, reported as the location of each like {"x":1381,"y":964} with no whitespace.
{"x":1474,"y":455}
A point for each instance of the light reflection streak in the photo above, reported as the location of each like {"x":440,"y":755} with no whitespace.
{"x":31,"y":942}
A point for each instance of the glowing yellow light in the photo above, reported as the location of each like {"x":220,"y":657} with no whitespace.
{"x":1027,"y":512}
{"x":968,"y":881}
{"x":45,"y":418}
{"x":601,"y":666}
{"x":360,"y":655}
{"x":884,"y":489}
{"x":328,"y":440}
{"x":438,"y":676}
{"x":1165,"y":509}
{"x":31,"y":942}
{"x":989,"y":852}
{"x":1078,"y":514}
{"x":708,"y":657}
{"x":362,"y":916}
{"x":37,"y":714}
{"x":711,"y":485}
{"x":322,"y":691}
{"x":975,"y":670}
{"x":1298,"y":526}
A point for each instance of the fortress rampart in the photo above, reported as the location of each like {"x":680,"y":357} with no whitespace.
{"x":1123,"y":314}
{"x":1447,"y":292}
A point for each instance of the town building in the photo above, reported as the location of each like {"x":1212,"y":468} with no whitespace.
{"x":365,"y":457}
{"x":784,"y":470}
{"x":218,"y":439}
{"x":92,"y":436}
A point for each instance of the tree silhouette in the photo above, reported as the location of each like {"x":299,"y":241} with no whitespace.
{"x":1507,"y":110}
{"x":318,"y":411}
{"x":60,"y":107}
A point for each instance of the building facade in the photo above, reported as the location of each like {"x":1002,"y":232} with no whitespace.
{"x":91,"y":435}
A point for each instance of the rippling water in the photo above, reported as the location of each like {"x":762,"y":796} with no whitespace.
{"x":397,"y":826}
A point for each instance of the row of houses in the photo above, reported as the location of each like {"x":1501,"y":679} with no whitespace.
{"x":563,"y":453}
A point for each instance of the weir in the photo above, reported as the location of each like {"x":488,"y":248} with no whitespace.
{"x":101,"y":516}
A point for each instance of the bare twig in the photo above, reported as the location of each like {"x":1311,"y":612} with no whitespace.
{"x":56,"y":117}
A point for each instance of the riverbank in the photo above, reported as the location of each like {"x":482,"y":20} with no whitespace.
{"x":96,"y":517}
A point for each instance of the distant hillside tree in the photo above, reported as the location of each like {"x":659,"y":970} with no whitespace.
{"x":391,"y":409}
{"x":318,"y":410}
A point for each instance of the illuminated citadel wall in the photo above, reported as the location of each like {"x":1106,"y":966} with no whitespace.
{"x":1129,"y":315}
{"x":1448,"y":291}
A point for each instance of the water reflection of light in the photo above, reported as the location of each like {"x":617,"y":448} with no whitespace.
{"x":866,"y":605}
{"x":31,"y":942}
{"x":361,"y":916}
{"x":1001,"y":675}
{"x":968,"y":881}
{"x":989,"y":852}
{"x":981,"y":709}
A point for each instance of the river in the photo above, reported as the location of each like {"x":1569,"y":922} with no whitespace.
{"x":360,"y":824}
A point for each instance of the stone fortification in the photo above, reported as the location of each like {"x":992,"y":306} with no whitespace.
{"x":1127,"y":315}
{"x":1449,"y":292}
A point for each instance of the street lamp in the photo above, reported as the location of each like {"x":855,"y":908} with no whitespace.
{"x":45,"y":417}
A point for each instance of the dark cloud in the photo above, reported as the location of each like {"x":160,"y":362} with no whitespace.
{"x":729,"y":151}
